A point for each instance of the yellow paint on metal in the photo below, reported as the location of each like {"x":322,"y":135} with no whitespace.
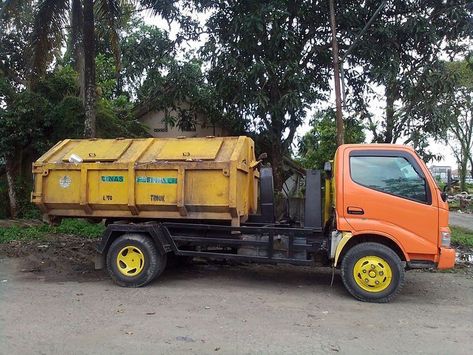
{"x":130,"y":261}
{"x":199,"y":148}
{"x":334,"y":180}
{"x":208,"y":187}
{"x":149,"y":178}
{"x":66,"y":181}
{"x":156,"y":182}
{"x":346,"y":236}
{"x":372,"y":273}
{"x":328,"y":198}
{"x":107,"y":187}
{"x":99,"y":150}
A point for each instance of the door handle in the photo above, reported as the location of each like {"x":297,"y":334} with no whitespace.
{"x":355,"y":210}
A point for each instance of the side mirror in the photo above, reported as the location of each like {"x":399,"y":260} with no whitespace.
{"x":328,"y":169}
{"x":449,"y":184}
{"x":443,"y":194}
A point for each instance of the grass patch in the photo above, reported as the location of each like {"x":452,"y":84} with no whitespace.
{"x":462,"y":237}
{"x":77,"y":227}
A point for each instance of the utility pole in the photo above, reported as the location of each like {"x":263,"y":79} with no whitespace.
{"x":336,"y":77}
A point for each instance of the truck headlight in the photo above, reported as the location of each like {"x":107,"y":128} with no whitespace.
{"x":445,"y":237}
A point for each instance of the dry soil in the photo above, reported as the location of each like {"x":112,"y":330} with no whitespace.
{"x":53,"y":301}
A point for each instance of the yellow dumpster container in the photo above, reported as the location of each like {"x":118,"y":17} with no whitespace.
{"x":212,"y":178}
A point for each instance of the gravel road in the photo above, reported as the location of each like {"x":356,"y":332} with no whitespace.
{"x":464,"y":220}
{"x":224,"y":309}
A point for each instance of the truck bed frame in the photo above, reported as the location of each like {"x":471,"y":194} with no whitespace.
{"x":187,"y":239}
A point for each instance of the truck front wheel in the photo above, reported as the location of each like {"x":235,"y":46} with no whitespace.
{"x":133,"y":261}
{"x":372,"y":272}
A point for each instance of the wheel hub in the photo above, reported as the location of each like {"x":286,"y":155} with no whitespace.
{"x":130,"y":261}
{"x":372,"y":273}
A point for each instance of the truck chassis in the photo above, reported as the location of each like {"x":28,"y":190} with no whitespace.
{"x":223,"y":242}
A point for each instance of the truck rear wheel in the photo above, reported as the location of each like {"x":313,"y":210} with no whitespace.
{"x":133,"y":261}
{"x":372,"y":272}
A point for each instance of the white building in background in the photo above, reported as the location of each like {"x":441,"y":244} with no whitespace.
{"x":440,"y":171}
{"x":158,"y":128}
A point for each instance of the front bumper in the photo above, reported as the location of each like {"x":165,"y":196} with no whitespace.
{"x":446,"y":258}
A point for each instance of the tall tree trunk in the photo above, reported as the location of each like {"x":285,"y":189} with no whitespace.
{"x":80,"y":68}
{"x":390,"y":93}
{"x":471,"y":166}
{"x":89,"y":69}
{"x":336,"y":76}
{"x":277,"y":163}
{"x":463,"y":172}
{"x":77,"y":43}
{"x":10,"y":174}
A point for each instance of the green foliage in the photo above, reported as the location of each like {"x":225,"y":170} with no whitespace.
{"x":269,"y":61}
{"x":319,"y":144}
{"x":455,"y":111}
{"x":401,"y":52}
{"x":161,"y":82}
{"x":463,"y":71}
{"x":15,"y":25}
{"x":23,"y":190}
{"x":106,"y":76}
{"x":34,"y":120}
{"x":146,"y":53}
{"x":75,"y":227}
{"x":8,"y":234}
{"x":115,"y":119}
{"x":462,"y":237}
{"x":184,"y":90}
{"x":79,"y":227}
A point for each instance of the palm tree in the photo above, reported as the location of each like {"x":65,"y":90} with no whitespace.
{"x":51,"y":18}
{"x":48,"y":35}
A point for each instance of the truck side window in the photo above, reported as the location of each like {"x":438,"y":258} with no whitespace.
{"x":390,"y":174}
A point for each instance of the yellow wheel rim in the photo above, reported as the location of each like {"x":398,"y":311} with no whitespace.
{"x":372,"y":273}
{"x":130,"y":261}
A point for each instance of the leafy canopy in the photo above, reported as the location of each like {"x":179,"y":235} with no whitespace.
{"x":319,"y":145}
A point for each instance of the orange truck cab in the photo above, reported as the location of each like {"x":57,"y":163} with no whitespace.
{"x":384,"y":194}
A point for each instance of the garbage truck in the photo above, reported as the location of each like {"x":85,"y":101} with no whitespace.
{"x":374,"y":212}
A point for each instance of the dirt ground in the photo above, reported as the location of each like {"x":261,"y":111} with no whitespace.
{"x":53,"y":301}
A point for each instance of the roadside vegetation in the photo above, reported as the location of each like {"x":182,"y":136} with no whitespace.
{"x":462,"y":237}
{"x":76,"y":227}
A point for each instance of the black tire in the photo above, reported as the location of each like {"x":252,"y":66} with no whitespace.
{"x":362,"y":250}
{"x":152,"y":263}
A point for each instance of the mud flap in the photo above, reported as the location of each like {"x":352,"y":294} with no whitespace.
{"x":99,"y":261}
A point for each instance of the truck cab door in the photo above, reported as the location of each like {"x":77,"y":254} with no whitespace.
{"x":387,"y":192}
